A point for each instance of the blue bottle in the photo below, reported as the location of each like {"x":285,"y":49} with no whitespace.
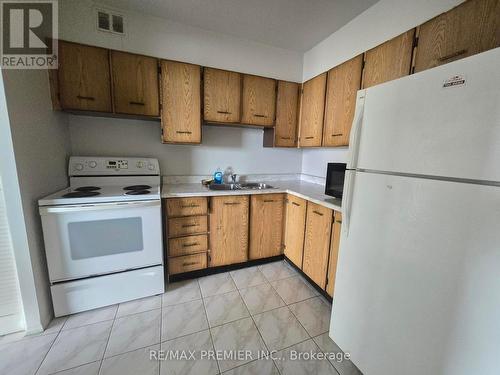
{"x":218,"y":175}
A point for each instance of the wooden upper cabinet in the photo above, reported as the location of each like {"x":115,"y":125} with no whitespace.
{"x":317,"y":243}
{"x":181,"y":102}
{"x":83,"y":75}
{"x":259,"y":100}
{"x":465,"y":30}
{"x":287,"y":105}
{"x":295,"y":222}
{"x":388,"y":61}
{"x":312,"y":111}
{"x":228,"y":230}
{"x":135,"y":84}
{"x":221,"y":95}
{"x":342,"y":85}
{"x":266,"y":225}
{"x":334,"y":253}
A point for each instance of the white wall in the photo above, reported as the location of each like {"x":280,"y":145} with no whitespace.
{"x":40,"y":140}
{"x":222,"y":147}
{"x":383,"y":21}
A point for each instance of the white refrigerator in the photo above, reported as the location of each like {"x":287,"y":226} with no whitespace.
{"x":418,"y":278}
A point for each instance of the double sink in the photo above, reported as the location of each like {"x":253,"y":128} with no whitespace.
{"x":244,"y":186}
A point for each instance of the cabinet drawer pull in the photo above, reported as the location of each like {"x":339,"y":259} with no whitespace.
{"x":309,"y":137}
{"x":189,"y":263}
{"x":231,"y":203}
{"x":190,"y":205}
{"x":339,"y":221}
{"x":85,"y":97}
{"x":259,"y":115}
{"x":190,"y":225}
{"x":224,"y":112}
{"x":190,"y":244}
{"x":337,"y":135}
{"x":285,"y":137}
{"x":137,"y":103}
{"x":269,"y":200}
{"x":183,"y":132}
{"x":452,"y":55}
{"x":318,"y":213}
{"x":296,"y":204}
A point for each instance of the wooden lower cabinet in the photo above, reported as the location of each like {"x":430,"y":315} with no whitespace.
{"x":317,"y":243}
{"x":187,"y":245}
{"x":295,"y":223}
{"x":266,"y":223}
{"x":187,"y":263}
{"x":334,"y":253}
{"x":228,"y":230}
{"x":183,"y":226}
{"x":187,"y":206}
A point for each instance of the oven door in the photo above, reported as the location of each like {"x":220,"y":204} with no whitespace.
{"x":97,"y":239}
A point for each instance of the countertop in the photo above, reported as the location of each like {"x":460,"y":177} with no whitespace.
{"x":307,"y":190}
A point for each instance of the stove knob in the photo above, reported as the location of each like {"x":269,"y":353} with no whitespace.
{"x":151,"y":167}
{"x":93,"y":164}
{"x":79,"y":167}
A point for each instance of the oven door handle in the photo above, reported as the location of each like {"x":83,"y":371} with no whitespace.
{"x":98,"y":207}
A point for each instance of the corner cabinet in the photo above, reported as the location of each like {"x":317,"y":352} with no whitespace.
{"x":84,"y":82}
{"x":259,"y":100}
{"x":295,"y":224}
{"x":181,"y":102}
{"x":135,"y":84}
{"x":287,"y":108}
{"x":221,"y":96}
{"x":266,"y":223}
{"x":312,"y":111}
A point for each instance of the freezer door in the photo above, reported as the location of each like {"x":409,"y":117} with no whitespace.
{"x":418,"y":280}
{"x":415,"y":125}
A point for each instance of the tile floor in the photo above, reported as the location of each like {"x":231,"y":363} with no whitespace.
{"x":256,"y":309}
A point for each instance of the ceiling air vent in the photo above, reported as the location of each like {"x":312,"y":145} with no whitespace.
{"x":110,"y":22}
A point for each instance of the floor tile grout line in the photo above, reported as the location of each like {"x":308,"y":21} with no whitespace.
{"x":46,"y":354}
{"x":107,"y":342}
{"x":72,"y":368}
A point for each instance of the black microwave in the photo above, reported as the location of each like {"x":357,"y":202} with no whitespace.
{"x":335,"y":179}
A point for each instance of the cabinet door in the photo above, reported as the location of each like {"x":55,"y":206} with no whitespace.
{"x":287,"y":105}
{"x":221,"y":95}
{"x":135,"y":84}
{"x":228,"y":230}
{"x":266,"y":225}
{"x":388,"y":61}
{"x":334,"y":253}
{"x":312,"y":111}
{"x":470,"y":28}
{"x":259,"y":100}
{"x":295,"y":225}
{"x":317,"y":243}
{"x":181,"y":102}
{"x":343,"y":83}
{"x":84,"y":80}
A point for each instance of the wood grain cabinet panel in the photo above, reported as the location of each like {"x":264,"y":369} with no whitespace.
{"x":183,"y":226}
{"x":221,"y":96}
{"x":287,"y":106}
{"x":470,"y":28}
{"x":228,"y":230}
{"x":312,"y":111}
{"x":388,"y":61}
{"x":181,"y":102}
{"x":259,"y":100}
{"x":187,"y":263}
{"x":84,"y":79}
{"x":295,"y":223}
{"x":187,"y":245}
{"x":334,"y":253}
{"x":135,"y":84}
{"x":342,"y":85}
{"x":317,"y":243}
{"x":191,"y":206}
{"x":266,"y":225}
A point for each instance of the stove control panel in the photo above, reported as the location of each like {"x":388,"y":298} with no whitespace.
{"x":102,"y":166}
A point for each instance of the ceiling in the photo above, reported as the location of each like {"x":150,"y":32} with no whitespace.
{"x":295,"y":25}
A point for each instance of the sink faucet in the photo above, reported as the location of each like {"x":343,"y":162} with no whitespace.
{"x":234,"y":176}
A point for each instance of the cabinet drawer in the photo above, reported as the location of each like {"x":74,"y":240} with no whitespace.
{"x":186,"y":206}
{"x":187,"y":245}
{"x":182,"y":226}
{"x":187,"y":263}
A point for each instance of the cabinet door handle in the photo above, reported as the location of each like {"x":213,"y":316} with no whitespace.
{"x":318,"y":213}
{"x":189,"y":263}
{"x":285,"y":137}
{"x":85,"y":97}
{"x":452,"y":55}
{"x":137,"y":103}
{"x":224,"y":112}
{"x":190,"y":205}
{"x":337,"y":135}
{"x":190,"y":244}
{"x":309,"y":137}
{"x":269,"y":200}
{"x":339,"y":221}
{"x":183,"y":132}
{"x":231,"y":203}
{"x":296,"y":204}
{"x":259,"y":115}
{"x":189,"y":225}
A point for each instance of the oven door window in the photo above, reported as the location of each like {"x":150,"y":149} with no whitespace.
{"x":91,"y":239}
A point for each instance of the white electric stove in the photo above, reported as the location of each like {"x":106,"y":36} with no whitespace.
{"x":103,"y":234}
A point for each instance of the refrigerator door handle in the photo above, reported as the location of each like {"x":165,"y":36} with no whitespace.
{"x":352,"y":158}
{"x":347,"y":200}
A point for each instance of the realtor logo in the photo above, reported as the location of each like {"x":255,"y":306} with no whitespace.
{"x":29,"y":34}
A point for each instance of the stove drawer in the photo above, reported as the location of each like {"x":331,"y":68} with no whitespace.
{"x":187,"y":206}
{"x":183,"y":226}
{"x":187,"y":263}
{"x":187,"y":245}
